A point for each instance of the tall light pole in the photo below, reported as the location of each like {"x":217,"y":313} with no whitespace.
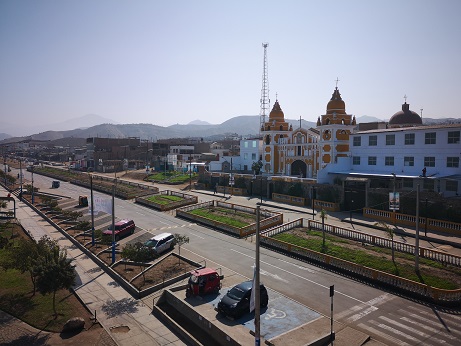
{"x":32,"y":170}
{"x":256,"y":285}
{"x":425,"y":221}
{"x":20,"y":178}
{"x":313,"y":201}
{"x":113,"y":223}
{"x":393,"y":198}
{"x":261,"y":189}
{"x":92,"y":210}
{"x":190,"y":173}
{"x":417,"y":231}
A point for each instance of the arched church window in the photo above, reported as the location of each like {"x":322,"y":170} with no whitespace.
{"x":299,"y":138}
{"x":281,"y":127}
{"x":268,"y":139}
{"x":327,"y":122}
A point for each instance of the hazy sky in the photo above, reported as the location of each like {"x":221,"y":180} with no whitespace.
{"x":167,"y":62}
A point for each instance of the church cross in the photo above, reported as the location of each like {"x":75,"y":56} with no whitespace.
{"x":337,"y":80}
{"x":405,"y":97}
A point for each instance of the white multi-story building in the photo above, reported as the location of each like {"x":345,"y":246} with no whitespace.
{"x":406,"y":151}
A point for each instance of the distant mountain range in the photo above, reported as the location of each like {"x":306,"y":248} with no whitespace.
{"x":244,"y":125}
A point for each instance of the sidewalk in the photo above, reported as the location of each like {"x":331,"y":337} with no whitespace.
{"x":128,"y":321}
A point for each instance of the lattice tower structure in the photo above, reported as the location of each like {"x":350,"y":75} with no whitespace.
{"x":265,"y":100}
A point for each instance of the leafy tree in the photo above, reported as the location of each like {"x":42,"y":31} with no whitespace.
{"x":180,"y":240}
{"x":256,"y":166}
{"x":390,"y":234}
{"x":128,"y":252}
{"x":55,"y":272}
{"x":73,"y":215}
{"x":24,"y":256}
{"x":137,"y":253}
{"x":296,"y":190}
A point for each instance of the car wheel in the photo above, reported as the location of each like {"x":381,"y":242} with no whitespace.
{"x":264,"y":303}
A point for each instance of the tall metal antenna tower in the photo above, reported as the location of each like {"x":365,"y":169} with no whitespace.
{"x":265,"y":101}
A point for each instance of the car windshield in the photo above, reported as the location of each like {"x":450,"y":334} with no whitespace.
{"x":117,"y":227}
{"x":236,"y":293}
{"x":151,"y":243}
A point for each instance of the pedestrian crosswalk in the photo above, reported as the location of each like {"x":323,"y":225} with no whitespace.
{"x":409,"y":325}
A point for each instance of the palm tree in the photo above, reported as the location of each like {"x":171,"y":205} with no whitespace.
{"x":389,"y":232}
{"x":323,"y":215}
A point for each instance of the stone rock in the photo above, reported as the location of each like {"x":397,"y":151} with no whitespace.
{"x":73,"y":325}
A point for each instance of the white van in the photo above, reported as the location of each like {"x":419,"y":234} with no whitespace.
{"x":160,"y":243}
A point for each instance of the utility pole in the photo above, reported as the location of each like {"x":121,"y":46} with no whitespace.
{"x":256,"y":286}
{"x":190,"y":173}
{"x":425,"y":221}
{"x":113,"y":223}
{"x":417,"y":231}
{"x":20,"y":177}
{"x":32,"y":170}
{"x":92,"y":210}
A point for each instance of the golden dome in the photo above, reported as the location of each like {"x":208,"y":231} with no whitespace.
{"x":336,"y":104}
{"x":276,"y":113}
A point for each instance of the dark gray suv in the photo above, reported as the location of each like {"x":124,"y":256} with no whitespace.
{"x":236,"y":302}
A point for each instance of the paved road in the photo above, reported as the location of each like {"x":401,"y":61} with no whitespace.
{"x":387,"y":317}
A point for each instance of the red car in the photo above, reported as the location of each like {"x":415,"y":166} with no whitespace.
{"x":122,"y":229}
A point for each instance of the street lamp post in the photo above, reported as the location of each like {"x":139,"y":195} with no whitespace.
{"x":32,"y":170}
{"x":256,"y":286}
{"x":4,"y":164}
{"x":313,"y":201}
{"x":352,"y":207}
{"x":20,"y":178}
{"x":190,"y":173}
{"x":261,"y":189}
{"x":92,"y":210}
{"x":425,"y":220}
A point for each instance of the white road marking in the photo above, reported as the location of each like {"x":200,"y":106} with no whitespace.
{"x":361,"y":314}
{"x":301,"y":277}
{"x":195,"y":235}
{"x":275,"y":276}
{"x":298,"y":266}
{"x":439,"y":330}
{"x":140,"y":213}
{"x":383,"y":335}
{"x":395,"y":331}
{"x":375,"y":302}
{"x":445,"y":317}
{"x":410,"y":329}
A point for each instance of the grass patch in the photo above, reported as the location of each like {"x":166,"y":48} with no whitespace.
{"x":375,"y":260}
{"x":226,"y":216}
{"x":173,"y":177}
{"x":17,"y":299}
{"x":164,"y":199}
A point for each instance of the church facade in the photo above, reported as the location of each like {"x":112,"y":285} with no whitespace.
{"x":303,"y":152}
